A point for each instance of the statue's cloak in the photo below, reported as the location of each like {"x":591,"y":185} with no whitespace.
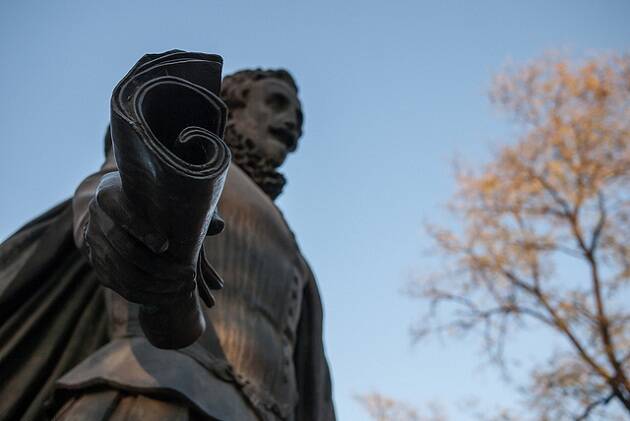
{"x":52,"y":312}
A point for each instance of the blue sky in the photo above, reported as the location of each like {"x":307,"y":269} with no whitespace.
{"x":392,"y":91}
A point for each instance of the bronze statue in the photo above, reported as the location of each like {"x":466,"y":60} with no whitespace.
{"x":72,"y":348}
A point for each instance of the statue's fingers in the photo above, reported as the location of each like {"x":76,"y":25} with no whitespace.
{"x":136,"y":252}
{"x":204,"y":292}
{"x":217,"y":224}
{"x":113,"y":239}
{"x":211,"y":277}
{"x":130,"y":282}
{"x":111,"y":200}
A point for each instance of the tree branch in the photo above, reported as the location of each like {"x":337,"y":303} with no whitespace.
{"x":591,"y":406}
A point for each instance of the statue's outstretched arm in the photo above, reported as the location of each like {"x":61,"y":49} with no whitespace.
{"x":141,"y":221}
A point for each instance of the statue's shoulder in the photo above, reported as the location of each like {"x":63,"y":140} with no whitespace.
{"x":239,"y":186}
{"x":245,"y":205}
{"x":242,"y":195}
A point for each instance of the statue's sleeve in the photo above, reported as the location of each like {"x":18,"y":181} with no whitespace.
{"x":313,"y":375}
{"x":84,"y":195}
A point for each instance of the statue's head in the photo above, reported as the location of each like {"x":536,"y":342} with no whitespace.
{"x":264,"y":124}
{"x":264,"y":107}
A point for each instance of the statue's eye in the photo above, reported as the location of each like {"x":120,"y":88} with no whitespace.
{"x":277,"y":102}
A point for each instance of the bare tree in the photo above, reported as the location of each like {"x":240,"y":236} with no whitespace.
{"x":383,"y":408}
{"x":544,"y":234}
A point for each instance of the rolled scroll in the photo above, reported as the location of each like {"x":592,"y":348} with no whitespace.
{"x":167,"y":123}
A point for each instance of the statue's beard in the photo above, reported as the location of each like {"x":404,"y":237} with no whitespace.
{"x":248,"y":157}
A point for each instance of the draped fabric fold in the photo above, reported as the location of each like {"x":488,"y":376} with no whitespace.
{"x":52,"y":312}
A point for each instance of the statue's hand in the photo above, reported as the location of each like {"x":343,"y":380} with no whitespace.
{"x":128,"y":254}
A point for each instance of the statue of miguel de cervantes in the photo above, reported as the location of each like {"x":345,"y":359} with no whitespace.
{"x":109,"y":303}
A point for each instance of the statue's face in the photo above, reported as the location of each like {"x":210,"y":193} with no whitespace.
{"x":271,"y":118}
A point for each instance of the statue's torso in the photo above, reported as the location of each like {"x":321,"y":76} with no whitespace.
{"x":256,"y":314}
{"x":251,"y":331}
